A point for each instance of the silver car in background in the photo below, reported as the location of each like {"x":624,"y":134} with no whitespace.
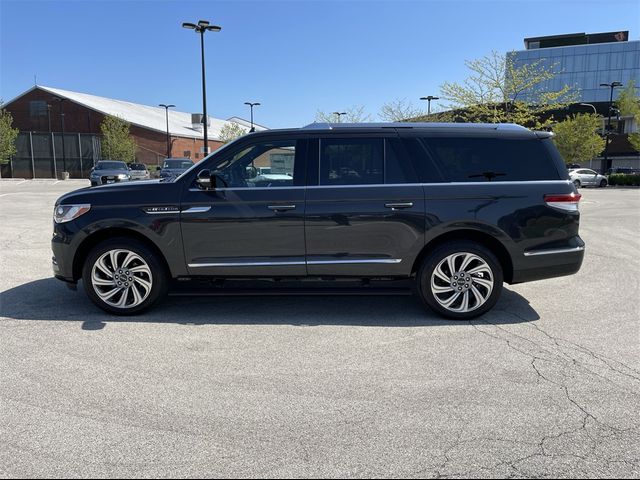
{"x":139,"y":171}
{"x":585,"y":177}
{"x":109,"y":171}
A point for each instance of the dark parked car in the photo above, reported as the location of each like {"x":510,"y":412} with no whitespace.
{"x":458,"y":209}
{"x":109,"y":171}
{"x":174,"y":167}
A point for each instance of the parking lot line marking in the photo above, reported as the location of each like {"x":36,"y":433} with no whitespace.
{"x":13,"y":193}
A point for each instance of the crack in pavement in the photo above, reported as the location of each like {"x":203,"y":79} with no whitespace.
{"x":560,"y":353}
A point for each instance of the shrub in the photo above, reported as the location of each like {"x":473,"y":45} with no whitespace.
{"x":622,"y":179}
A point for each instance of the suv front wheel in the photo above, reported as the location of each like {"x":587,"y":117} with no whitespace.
{"x":123,"y":276}
{"x":460,"y":280}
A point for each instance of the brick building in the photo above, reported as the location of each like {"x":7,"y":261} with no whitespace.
{"x":40,"y":112}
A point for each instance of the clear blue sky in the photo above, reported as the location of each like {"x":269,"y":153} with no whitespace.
{"x":295,"y":57}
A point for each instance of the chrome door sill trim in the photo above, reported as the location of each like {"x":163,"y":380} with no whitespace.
{"x":244,"y":264}
{"x":553,"y":251}
{"x":311,"y":262}
{"x":355,"y":261}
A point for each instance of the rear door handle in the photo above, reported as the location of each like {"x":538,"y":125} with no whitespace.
{"x":281,"y":208}
{"x":399,"y":205}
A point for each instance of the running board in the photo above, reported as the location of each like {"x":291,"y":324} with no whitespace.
{"x":236,"y":288}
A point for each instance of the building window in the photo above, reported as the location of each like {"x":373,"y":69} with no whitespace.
{"x":37,"y":108}
{"x":186,"y":154}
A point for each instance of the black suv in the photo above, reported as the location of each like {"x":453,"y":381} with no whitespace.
{"x":457,"y":208}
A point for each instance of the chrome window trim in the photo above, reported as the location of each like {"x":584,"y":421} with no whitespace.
{"x":553,"y":251}
{"x":378,"y":185}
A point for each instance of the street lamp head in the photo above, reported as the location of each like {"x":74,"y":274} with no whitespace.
{"x":213,"y":28}
{"x":430,"y":97}
{"x":191,"y":26}
{"x":203,"y":23}
{"x":611,"y":85}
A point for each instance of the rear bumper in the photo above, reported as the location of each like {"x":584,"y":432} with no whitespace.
{"x":549,"y":263}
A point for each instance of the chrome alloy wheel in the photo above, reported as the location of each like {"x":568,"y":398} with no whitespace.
{"x":121,"y":278}
{"x":462,"y":282}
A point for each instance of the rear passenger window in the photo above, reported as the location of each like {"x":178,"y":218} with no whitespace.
{"x":351,"y":161}
{"x":398,"y":168}
{"x":492,"y":159}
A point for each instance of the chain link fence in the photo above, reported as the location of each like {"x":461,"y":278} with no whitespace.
{"x":46,"y":155}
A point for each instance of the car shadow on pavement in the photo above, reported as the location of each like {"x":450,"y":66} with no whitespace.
{"x":50,"y":300}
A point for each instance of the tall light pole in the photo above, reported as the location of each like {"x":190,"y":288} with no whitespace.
{"x":64,"y":153}
{"x":166,"y":111}
{"x":202,"y":27}
{"x":428,"y":99}
{"x":251,"y":105}
{"x":605,"y":160}
{"x":339,"y":114}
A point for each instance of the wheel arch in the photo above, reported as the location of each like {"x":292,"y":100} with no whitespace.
{"x":485,"y":239}
{"x":108,"y":233}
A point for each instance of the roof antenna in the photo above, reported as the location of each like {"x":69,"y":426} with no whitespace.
{"x":35,"y":79}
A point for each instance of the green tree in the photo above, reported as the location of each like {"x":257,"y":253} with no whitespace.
{"x":354,"y":114}
{"x":230,"y":131}
{"x":629,"y":105}
{"x":577,"y":137}
{"x":399,"y":110}
{"x":117,"y":143}
{"x":495,"y":92}
{"x":8,"y":136}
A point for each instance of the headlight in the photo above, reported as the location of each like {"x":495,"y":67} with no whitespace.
{"x":66,"y":213}
{"x":123,"y":176}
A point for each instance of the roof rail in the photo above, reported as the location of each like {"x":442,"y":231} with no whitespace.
{"x":491,"y":126}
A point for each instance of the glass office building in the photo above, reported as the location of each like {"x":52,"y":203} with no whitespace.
{"x":583,"y":61}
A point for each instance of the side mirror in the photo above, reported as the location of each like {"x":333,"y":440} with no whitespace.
{"x":252,"y":172}
{"x":158,"y":168}
{"x":204,"y":180}
{"x":207,"y":180}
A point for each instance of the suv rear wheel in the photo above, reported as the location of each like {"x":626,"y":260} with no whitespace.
{"x":460,"y":280}
{"x":123,"y":276}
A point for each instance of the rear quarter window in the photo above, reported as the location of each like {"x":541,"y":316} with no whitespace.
{"x":468,"y":159}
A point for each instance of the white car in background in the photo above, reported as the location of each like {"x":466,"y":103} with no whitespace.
{"x":583,"y":177}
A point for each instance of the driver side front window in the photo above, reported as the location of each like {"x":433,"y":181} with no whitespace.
{"x":264,"y":164}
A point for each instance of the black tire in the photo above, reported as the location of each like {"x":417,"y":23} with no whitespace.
{"x":94,"y":184}
{"x":160,"y":278}
{"x":576,"y":183}
{"x":426,"y":271}
{"x":603,"y":183}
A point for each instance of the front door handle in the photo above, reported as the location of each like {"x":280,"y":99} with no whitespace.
{"x":399,"y":205}
{"x":281,"y":208}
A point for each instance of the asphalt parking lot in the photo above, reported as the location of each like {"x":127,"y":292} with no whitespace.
{"x":546,"y":385}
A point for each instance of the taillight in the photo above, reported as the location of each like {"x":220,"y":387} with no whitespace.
{"x":563,"y":201}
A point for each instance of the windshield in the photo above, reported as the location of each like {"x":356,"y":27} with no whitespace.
{"x":111,"y":166}
{"x":137,"y":166}
{"x":177,"y":164}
